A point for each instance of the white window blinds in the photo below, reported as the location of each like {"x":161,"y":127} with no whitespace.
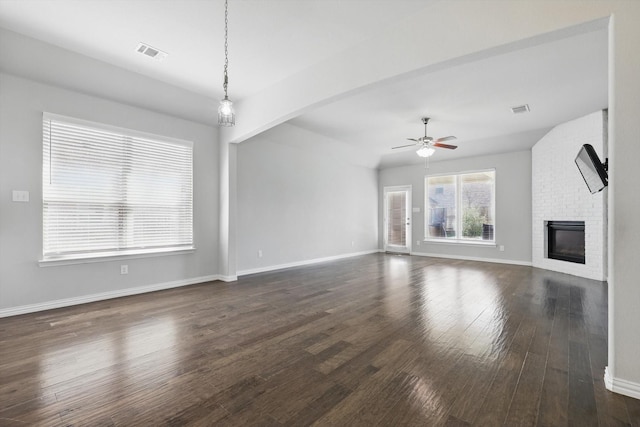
{"x":109,"y":191}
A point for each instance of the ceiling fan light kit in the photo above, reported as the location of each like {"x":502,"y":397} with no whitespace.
{"x":425,"y":151}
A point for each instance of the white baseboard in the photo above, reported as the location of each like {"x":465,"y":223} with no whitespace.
{"x":620,"y":386}
{"x":471,"y":258}
{"x":49,"y":305}
{"x":305,"y":262}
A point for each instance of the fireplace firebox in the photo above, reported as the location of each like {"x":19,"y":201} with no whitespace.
{"x":565,"y":241}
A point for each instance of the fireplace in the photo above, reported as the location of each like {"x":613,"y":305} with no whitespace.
{"x":565,"y":241}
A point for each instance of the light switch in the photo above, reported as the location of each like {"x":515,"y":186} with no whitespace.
{"x":20,"y":196}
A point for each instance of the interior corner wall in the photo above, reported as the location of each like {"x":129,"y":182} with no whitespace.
{"x":513,"y":206}
{"x":297,"y":205}
{"x":560,"y":194}
{"x":23,"y":283}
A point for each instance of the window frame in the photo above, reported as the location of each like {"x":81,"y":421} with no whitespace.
{"x":458,"y":208}
{"x":81,"y":255}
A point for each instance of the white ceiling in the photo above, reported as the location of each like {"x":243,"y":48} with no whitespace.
{"x":271,"y":40}
{"x":560,"y":81}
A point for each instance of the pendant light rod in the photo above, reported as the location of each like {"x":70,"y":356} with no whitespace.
{"x":226,"y":46}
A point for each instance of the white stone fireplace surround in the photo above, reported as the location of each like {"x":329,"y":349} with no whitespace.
{"x":560,"y":194}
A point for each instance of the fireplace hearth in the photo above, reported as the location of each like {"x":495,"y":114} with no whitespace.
{"x":565,"y":241}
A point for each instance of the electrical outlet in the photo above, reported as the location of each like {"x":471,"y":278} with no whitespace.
{"x":124,"y":269}
{"x":259,"y":253}
{"x":501,"y":248}
{"x":417,"y":242}
{"x":20,"y":196}
{"x":353,"y":243}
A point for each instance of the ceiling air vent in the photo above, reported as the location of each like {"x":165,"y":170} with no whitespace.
{"x":520,"y":109}
{"x":151,"y":52}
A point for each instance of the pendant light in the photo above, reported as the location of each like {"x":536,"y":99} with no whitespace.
{"x":226,"y":115}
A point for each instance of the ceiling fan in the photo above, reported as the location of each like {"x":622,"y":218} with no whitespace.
{"x":426,"y":143}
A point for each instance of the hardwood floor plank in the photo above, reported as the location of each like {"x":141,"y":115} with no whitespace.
{"x":523,"y":410}
{"x":373,"y":398}
{"x":357,"y":370}
{"x":455,"y":422}
{"x":270,"y":333}
{"x":633,"y":409}
{"x":582,"y":403}
{"x":41,"y":411}
{"x":558,"y":352}
{"x":318,"y":407}
{"x":496,"y":405}
{"x":289,"y":396}
{"x":473,"y":394}
{"x":612,"y":409}
{"x":554,"y":398}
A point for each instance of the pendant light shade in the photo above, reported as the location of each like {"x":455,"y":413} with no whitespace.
{"x":226,"y":115}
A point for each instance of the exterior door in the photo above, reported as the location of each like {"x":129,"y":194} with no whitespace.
{"x":397,"y":219}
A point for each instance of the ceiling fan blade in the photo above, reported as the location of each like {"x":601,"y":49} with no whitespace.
{"x":450,"y":147}
{"x":414,"y":139}
{"x":445,"y":138}
{"x":403,"y":146}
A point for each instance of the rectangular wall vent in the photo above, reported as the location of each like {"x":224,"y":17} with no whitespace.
{"x":520,"y":109}
{"x":151,"y":52}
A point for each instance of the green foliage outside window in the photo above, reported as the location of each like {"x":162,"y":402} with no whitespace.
{"x":472,"y":221}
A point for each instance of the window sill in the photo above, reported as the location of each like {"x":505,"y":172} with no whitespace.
{"x":461,"y":242}
{"x":112,"y":256}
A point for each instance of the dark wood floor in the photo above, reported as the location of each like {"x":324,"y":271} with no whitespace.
{"x":374,"y":340}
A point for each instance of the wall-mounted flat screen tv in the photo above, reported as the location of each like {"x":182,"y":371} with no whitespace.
{"x":592,"y":169}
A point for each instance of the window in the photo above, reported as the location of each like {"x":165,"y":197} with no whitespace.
{"x":110,"y":191}
{"x":461,"y":207}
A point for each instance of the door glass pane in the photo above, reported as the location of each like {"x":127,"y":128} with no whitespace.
{"x":477,"y":205}
{"x":397,"y":215}
{"x":441,"y":222}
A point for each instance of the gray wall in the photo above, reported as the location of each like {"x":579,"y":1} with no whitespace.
{"x":297,"y":203}
{"x":22,"y":281}
{"x":513,"y":205}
